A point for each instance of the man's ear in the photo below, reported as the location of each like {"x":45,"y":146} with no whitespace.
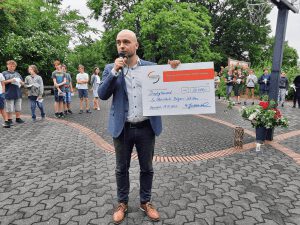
{"x":136,"y":45}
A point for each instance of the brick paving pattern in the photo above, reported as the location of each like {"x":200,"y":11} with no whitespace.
{"x":53,"y":172}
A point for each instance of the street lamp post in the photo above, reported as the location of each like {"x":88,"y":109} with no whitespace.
{"x":284,"y":6}
{"x":283,"y":10}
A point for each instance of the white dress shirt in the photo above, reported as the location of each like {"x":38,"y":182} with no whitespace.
{"x":134,"y":92}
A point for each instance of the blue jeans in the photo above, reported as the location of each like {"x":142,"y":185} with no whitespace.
{"x":228,"y":90}
{"x":144,"y":139}
{"x":33,"y":103}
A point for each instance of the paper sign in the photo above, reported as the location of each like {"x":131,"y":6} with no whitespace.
{"x":188,"y":89}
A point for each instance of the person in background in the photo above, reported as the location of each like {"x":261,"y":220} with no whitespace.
{"x":264,"y":83}
{"x":217,"y":84}
{"x":297,"y":93}
{"x":95,"y":82}
{"x":283,"y":87}
{"x":2,"y":102}
{"x":35,"y":86}
{"x":82,"y":79}
{"x":238,"y":85}
{"x":68,"y":89}
{"x":229,"y":83}
{"x":59,"y":79}
{"x":250,"y":86}
{"x":13,"y":95}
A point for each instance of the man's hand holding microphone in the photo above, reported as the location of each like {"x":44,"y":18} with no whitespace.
{"x":120,"y":62}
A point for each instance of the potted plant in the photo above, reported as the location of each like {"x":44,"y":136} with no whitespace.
{"x":264,"y":117}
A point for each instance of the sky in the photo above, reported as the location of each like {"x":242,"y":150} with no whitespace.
{"x":292,"y":32}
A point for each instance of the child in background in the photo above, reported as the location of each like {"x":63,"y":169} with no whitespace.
{"x":35,"y":85}
{"x":59,"y":79}
{"x":2,"y":111}
{"x":217,"y":81}
{"x":264,"y":83}
{"x":68,"y":90}
{"x":238,"y":85}
{"x":95,"y":82}
{"x":13,"y":95}
{"x":82,"y":79}
{"x":283,"y":87}
{"x":250,"y":84}
{"x":229,"y":83}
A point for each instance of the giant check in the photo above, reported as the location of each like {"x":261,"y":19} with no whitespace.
{"x":188,"y":89}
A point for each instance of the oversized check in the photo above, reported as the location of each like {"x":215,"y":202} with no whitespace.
{"x":188,"y":89}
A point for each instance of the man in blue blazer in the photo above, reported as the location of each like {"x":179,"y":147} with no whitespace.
{"x":127,"y":124}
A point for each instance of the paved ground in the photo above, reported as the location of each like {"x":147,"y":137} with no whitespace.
{"x":62,"y":172}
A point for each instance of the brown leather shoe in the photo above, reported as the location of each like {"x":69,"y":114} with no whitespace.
{"x":150,"y":211}
{"x":119,"y":213}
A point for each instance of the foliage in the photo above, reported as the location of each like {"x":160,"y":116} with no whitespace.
{"x":232,"y":32}
{"x":37,"y":32}
{"x":290,"y":55}
{"x":88,"y":55}
{"x":264,"y":115}
{"x":166,"y":30}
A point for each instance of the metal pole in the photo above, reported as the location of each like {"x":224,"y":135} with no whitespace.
{"x":278,"y":52}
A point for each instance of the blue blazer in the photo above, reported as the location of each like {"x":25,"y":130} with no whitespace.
{"x":116,"y":87}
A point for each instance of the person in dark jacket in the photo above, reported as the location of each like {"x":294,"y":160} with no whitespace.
{"x":264,"y":83}
{"x":283,"y":87}
{"x":297,"y":93}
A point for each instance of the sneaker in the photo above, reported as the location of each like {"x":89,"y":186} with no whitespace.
{"x":10,"y":122}
{"x":88,"y":111}
{"x":245,"y":103}
{"x":150,"y":211}
{"x":19,"y":120}
{"x":66,"y":112}
{"x":56,"y":115}
{"x":70,"y":111}
{"x":294,"y":106}
{"x":61,"y":115}
{"x":252,"y":103}
{"x":6,"y":124}
{"x":98,"y":109}
{"x":81,"y":111}
{"x":239,"y":103}
{"x":34,"y":120}
{"x":120,"y":213}
{"x":43,"y":117}
{"x":282,"y":105}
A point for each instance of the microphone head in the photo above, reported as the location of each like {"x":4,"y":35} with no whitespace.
{"x":122,"y":55}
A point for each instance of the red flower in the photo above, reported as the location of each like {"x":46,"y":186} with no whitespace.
{"x":264,"y":105}
{"x":277,"y":114}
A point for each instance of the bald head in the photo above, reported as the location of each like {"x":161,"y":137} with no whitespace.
{"x":127,"y":43}
{"x":127,"y":34}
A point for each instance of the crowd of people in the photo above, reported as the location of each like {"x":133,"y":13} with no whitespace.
{"x":11,"y":93}
{"x":242,"y":80}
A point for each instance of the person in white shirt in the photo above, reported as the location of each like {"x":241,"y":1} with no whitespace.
{"x":82,"y":79}
{"x":250,"y":84}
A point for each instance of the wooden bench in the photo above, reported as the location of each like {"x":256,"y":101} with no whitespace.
{"x":49,"y":88}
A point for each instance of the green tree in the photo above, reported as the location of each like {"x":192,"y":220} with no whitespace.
{"x":37,"y":32}
{"x":233,"y":32}
{"x":166,"y":30}
{"x":89,"y":54}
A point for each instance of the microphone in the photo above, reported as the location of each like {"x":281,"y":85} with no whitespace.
{"x":122,"y":55}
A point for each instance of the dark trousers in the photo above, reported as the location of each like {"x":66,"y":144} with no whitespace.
{"x":33,"y":103}
{"x":143,"y":139}
{"x":263,"y":92}
{"x":297,"y":97}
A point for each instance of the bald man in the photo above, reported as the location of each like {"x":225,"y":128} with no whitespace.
{"x":127,"y":125}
